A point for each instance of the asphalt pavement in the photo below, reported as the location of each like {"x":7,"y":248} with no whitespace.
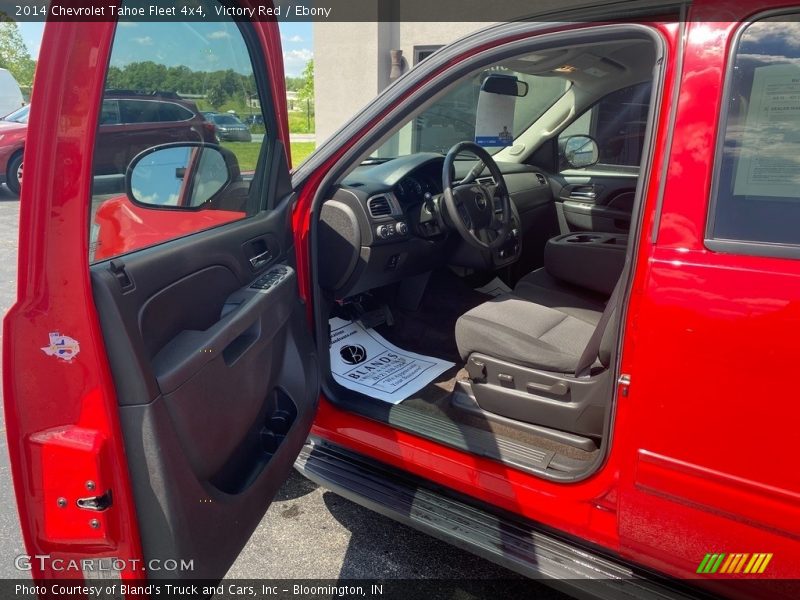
{"x":308,"y":532}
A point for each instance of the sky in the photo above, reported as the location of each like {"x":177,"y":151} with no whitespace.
{"x":296,"y":38}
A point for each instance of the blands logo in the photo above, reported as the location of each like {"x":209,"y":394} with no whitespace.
{"x":730,"y":564}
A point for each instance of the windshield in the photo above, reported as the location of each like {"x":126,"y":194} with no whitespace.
{"x":225,"y":120}
{"x":19,"y":116}
{"x":451,"y":119}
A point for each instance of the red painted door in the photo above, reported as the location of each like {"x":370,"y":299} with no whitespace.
{"x":128,"y":381}
{"x":709,"y":488}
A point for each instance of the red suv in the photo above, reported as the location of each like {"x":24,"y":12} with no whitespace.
{"x":570,"y":349}
{"x":132,"y":121}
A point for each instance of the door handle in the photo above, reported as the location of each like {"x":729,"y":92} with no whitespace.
{"x":259,"y":260}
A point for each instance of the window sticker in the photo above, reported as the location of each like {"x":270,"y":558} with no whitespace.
{"x":494,"y":121}
{"x":767,"y":162}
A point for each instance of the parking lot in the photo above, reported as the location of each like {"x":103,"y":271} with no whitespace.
{"x":307,"y":533}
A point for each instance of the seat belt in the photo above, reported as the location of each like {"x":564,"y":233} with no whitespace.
{"x":592,"y":349}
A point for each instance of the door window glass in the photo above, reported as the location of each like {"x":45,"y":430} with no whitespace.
{"x":758,"y":181}
{"x":162,"y":78}
{"x":451,"y":119}
{"x":618,"y":123}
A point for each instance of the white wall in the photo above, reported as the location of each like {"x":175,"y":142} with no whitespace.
{"x":352,"y":62}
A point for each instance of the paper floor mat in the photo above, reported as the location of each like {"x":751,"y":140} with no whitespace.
{"x":363,"y":361}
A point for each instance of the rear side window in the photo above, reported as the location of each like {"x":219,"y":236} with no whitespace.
{"x":139,"y":111}
{"x":109,"y":113}
{"x":170,"y":112}
{"x":757,"y":185}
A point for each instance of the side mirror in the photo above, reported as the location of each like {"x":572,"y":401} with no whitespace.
{"x":580,"y":151}
{"x":183,"y":175}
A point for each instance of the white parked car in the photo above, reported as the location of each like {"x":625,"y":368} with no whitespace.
{"x":10,"y":94}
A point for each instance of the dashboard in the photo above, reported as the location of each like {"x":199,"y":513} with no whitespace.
{"x":386,"y":222}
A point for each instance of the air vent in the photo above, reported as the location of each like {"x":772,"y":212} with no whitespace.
{"x":485,"y":180}
{"x":379,"y":207}
{"x":541,"y":179}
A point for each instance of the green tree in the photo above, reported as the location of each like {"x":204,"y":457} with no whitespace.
{"x":14,"y":55}
{"x":217,"y":96}
{"x":306,"y":93}
{"x":306,"y":90}
{"x":293,"y":84}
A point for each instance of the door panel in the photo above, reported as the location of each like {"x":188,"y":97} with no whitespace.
{"x":173,"y":388}
{"x":596,"y":200}
{"x":217,"y":384}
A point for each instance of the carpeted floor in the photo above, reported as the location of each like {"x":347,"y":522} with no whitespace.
{"x":431,"y":331}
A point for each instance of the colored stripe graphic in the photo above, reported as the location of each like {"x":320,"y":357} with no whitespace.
{"x":737,"y":562}
{"x":710,"y":563}
{"x":716,"y":564}
{"x":727,"y":564}
{"x":767,"y":558}
{"x":703,"y":563}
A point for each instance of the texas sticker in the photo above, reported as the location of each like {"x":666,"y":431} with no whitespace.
{"x":62,"y":346}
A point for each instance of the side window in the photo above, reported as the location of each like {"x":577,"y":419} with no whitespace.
{"x":138,"y":111}
{"x":171,"y":113}
{"x":618,"y":122}
{"x":109,"y":113}
{"x":757,"y":185}
{"x":162,"y":169}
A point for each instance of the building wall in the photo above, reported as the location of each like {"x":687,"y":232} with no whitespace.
{"x":352,"y":62}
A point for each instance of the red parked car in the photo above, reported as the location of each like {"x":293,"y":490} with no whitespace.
{"x":142,"y":119}
{"x":133,"y":120}
{"x":13,"y":128}
{"x":571,"y":352}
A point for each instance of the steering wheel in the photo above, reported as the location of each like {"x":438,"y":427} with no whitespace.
{"x":471,"y":205}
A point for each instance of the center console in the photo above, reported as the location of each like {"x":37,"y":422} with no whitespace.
{"x":590,"y":260}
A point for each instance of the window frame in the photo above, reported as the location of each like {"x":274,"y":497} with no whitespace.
{"x":263,"y":192}
{"x":740,"y":247}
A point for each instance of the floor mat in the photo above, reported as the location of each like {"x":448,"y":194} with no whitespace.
{"x":363,"y":361}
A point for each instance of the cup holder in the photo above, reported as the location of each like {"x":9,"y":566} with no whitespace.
{"x":583,"y":238}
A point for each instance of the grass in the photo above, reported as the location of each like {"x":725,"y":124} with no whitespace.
{"x":247,"y":153}
{"x":298,"y":122}
{"x":300,"y":151}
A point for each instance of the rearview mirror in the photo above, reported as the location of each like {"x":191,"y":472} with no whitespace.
{"x":580,"y":151}
{"x":184,"y":175}
{"x":504,"y":85}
